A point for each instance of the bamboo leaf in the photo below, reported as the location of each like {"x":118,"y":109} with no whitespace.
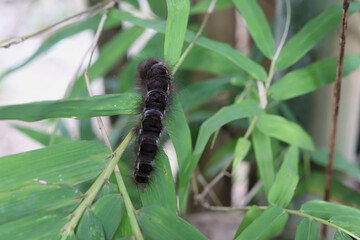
{"x":321,"y":157}
{"x":41,"y":137}
{"x":37,"y":226}
{"x":198,"y":93}
{"x":258,"y":25}
{"x":66,"y":163}
{"x":219,"y":160}
{"x":219,"y":119}
{"x":308,"y":230}
{"x":253,"y":213}
{"x":339,"y":235}
{"x":162,"y":189}
{"x":203,"y":6}
{"x":270,"y":222}
{"x":78,"y":108}
{"x":264,"y":158}
{"x":176,"y":23}
{"x":311,"y":34}
{"x":244,"y":63}
{"x":286,"y":180}
{"x":35,"y":198}
{"x":349,"y":223}
{"x":90,"y":228}
{"x":160,"y":223}
{"x":312,"y":77}
{"x":327,"y":210}
{"x":109,"y":56}
{"x":179,"y":132}
{"x":241,"y":149}
{"x":284,"y":130}
{"x":109,"y":210}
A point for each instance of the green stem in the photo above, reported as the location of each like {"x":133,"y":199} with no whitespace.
{"x":94,"y":189}
{"x":128,"y":204}
{"x":281,"y":45}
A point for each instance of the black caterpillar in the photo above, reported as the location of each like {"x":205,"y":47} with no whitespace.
{"x":155,"y":80}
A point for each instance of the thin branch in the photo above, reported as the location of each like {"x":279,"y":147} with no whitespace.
{"x":63,"y":23}
{"x":281,"y":44}
{"x":198,"y":34}
{"x":90,"y":195}
{"x":93,"y":47}
{"x":337,"y":90}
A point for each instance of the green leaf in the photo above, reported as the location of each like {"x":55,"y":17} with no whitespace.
{"x":264,"y":158}
{"x":179,"y":132}
{"x":109,"y":56}
{"x":339,"y":235}
{"x":90,"y":228}
{"x":219,"y":119}
{"x":41,"y":137}
{"x":308,"y":230}
{"x":241,"y":150}
{"x":198,"y":93}
{"x":270,"y":222}
{"x":66,"y":163}
{"x":109,"y":210}
{"x":160,"y":223}
{"x":161,"y":191}
{"x":311,"y":34}
{"x":321,"y":157}
{"x":258,"y":25}
{"x":250,"y":217}
{"x":312,"y":77}
{"x":326,"y":210}
{"x":78,"y":108}
{"x":284,"y":130}
{"x":203,"y":6}
{"x":219,"y":160}
{"x":339,"y":192}
{"x":37,"y":226}
{"x":85,"y":130}
{"x":286,"y":180}
{"x":89,"y":23}
{"x":35,"y":198}
{"x":349,"y":223}
{"x":246,"y":64}
{"x":177,"y":19}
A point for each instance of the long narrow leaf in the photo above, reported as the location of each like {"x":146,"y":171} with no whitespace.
{"x":78,"y":108}
{"x":308,"y":230}
{"x":264,"y":158}
{"x":162,"y":224}
{"x":311,"y":34}
{"x":66,"y":163}
{"x":270,"y":222}
{"x":34,"y":198}
{"x":177,"y":19}
{"x":284,"y":130}
{"x":244,"y":63}
{"x":312,"y":77}
{"x":286,"y":180}
{"x":161,"y":191}
{"x":258,"y":25}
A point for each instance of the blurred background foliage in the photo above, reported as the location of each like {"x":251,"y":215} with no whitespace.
{"x":208,"y":80}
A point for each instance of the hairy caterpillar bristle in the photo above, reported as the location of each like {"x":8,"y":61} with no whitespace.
{"x":155,"y":80}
